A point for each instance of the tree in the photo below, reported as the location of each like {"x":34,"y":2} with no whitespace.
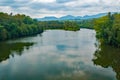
{"x":108,"y":29}
{"x":71,"y":25}
{"x":19,"y":25}
{"x":3,"y":34}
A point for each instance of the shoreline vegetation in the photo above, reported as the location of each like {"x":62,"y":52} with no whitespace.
{"x":65,"y":25}
{"x":20,"y":25}
{"x":108,"y":29}
{"x":16,"y":26}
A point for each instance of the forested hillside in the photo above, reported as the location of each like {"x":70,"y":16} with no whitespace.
{"x":108,"y":29}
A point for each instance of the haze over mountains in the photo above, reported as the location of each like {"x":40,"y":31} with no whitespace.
{"x":71,"y":17}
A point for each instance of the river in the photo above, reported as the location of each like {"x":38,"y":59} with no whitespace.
{"x":57,"y":55}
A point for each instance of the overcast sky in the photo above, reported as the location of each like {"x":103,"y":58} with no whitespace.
{"x":41,"y":8}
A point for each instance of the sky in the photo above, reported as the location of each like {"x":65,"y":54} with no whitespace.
{"x":58,"y":8}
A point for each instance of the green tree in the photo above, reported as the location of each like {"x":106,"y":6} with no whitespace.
{"x":71,"y":25}
{"x":19,"y":25}
{"x":108,"y":29}
{"x":3,"y":34}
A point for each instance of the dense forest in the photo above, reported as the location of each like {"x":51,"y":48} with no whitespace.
{"x":65,"y":25}
{"x":108,"y":29}
{"x":73,"y":25}
{"x":19,"y":25}
{"x":88,"y":23}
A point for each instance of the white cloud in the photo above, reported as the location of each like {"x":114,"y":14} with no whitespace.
{"x":6,"y":9}
{"x":44,"y":1}
{"x":40,"y":8}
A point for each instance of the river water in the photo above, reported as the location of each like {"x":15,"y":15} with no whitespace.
{"x":55,"y":55}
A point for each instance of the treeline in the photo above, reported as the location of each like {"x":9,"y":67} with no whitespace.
{"x":51,"y":24}
{"x":89,"y":23}
{"x":66,"y":25}
{"x":71,"y":25}
{"x":108,"y":29}
{"x":19,"y":25}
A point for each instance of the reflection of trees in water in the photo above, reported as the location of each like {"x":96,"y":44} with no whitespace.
{"x":6,"y":49}
{"x":107,"y":56}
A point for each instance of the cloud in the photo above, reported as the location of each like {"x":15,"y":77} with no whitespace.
{"x":44,"y":1}
{"x":64,"y":1}
{"x":41,"y":8}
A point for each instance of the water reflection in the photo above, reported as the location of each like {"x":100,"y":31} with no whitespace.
{"x":107,"y":56}
{"x":7,"y":49}
{"x":57,"y":55}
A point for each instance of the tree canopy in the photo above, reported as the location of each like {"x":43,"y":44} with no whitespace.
{"x":108,"y":29}
{"x":19,"y":25}
{"x":66,"y":25}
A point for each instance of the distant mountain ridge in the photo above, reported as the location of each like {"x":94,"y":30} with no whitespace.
{"x":71,"y":17}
